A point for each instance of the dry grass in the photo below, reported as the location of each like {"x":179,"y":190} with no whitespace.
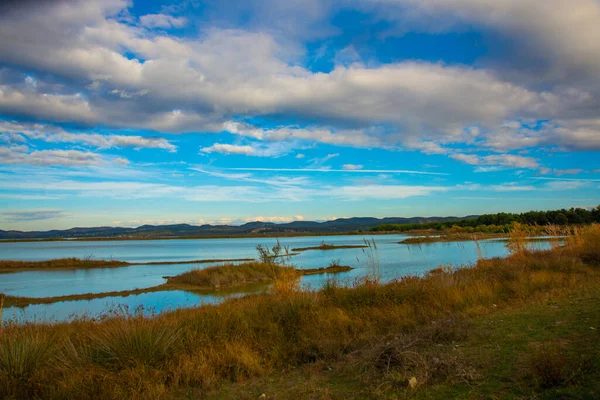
{"x":232,"y":275}
{"x":549,"y":366}
{"x":60,"y":263}
{"x":196,"y":350}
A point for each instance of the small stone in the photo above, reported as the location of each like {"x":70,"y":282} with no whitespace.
{"x":412,"y":382}
{"x":592,"y":328}
{"x":262,"y":396}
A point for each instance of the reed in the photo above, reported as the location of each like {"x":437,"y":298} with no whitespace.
{"x":2,"y":297}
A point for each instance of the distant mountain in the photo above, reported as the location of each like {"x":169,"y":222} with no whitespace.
{"x":252,"y":228}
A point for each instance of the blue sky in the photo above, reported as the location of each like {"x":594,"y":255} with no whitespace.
{"x":125,"y":113}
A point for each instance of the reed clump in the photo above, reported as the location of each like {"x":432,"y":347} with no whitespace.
{"x":200,"y":349}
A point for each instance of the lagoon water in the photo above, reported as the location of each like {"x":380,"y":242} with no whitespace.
{"x":395,"y":260}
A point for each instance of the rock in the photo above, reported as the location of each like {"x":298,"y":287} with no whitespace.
{"x":262,"y":396}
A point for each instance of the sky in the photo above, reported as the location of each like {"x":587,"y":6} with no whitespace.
{"x":124,"y":113}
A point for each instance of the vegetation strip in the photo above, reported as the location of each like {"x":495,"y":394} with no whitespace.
{"x":7,"y":266}
{"x":463,"y":237}
{"x":325,"y":246}
{"x":472,"y":237}
{"x":327,"y":270}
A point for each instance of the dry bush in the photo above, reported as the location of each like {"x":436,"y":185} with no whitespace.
{"x":124,"y":342}
{"x":550,"y":366}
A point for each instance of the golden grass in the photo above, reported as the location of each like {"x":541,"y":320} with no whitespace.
{"x":231,"y":275}
{"x":195,"y":350}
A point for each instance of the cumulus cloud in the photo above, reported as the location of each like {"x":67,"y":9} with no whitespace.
{"x":55,"y":107}
{"x":276,"y":219}
{"x":118,"y":74}
{"x":68,"y":158}
{"x":276,"y":149}
{"x":566,"y":34}
{"x":230,"y":149}
{"x":192,"y":84}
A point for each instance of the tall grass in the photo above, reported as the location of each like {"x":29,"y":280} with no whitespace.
{"x":131,"y":341}
{"x":2,"y":297}
{"x":372,"y":260}
{"x":202,"y":348}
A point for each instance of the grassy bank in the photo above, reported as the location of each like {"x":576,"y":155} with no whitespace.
{"x":332,"y":269}
{"x":231,"y":275}
{"x":59,"y":263}
{"x":367,"y":341}
{"x":450,"y":237}
{"x":7,"y":266}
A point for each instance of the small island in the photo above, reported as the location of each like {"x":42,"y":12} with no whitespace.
{"x":325,"y":246}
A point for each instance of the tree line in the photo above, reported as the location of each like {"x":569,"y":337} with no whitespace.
{"x":501,"y":222}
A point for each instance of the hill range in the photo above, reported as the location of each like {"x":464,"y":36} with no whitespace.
{"x":341,"y":225}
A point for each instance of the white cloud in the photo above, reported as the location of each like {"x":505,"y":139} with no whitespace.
{"x":55,"y":107}
{"x":30,"y":215}
{"x":52,"y":134}
{"x":275,"y":149}
{"x":386,"y":192}
{"x":230,"y":149}
{"x":123,"y":75}
{"x":20,"y":155}
{"x":276,"y":219}
{"x":352,"y":167}
{"x":497,"y":161}
{"x":162,"y":21}
{"x":197,"y":84}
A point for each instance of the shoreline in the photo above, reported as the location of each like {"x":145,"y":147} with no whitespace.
{"x":93,"y":264}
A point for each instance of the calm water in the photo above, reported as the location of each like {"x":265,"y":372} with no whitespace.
{"x":396,"y":260}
